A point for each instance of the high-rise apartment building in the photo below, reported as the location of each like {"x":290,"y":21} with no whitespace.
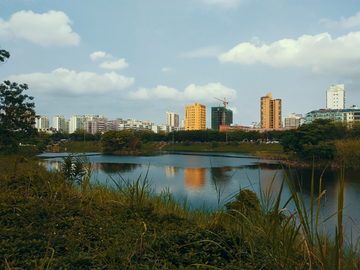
{"x":270,"y":112}
{"x":95,"y":123}
{"x":220,"y":116}
{"x":76,"y":122}
{"x":59,"y":123}
{"x":42,"y":122}
{"x":335,"y":97}
{"x":67,"y":126}
{"x":195,"y":117}
{"x":172,"y":119}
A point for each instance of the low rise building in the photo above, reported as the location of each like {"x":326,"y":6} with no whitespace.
{"x":294,"y":120}
{"x":348,"y":116}
{"x":165,"y":128}
{"x":247,"y":128}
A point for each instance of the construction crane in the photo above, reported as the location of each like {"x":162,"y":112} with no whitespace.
{"x":221,"y":114}
{"x":223,"y":101}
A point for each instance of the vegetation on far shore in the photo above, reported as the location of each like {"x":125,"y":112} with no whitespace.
{"x":300,"y":147}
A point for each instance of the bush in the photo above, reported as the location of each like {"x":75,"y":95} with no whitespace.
{"x":214,"y":144}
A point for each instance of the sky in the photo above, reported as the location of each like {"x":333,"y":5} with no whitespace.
{"x":141,"y":58}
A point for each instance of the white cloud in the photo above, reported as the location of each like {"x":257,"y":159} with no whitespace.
{"x":321,"y":52}
{"x":344,"y":22}
{"x":192,"y":93}
{"x":114,"y":64}
{"x":352,"y":21}
{"x":223,"y":3}
{"x":62,"y":81}
{"x":206,"y":52}
{"x":207,"y":92}
{"x":96,"y":55}
{"x":328,"y":22}
{"x":255,"y":40}
{"x":168,"y":69}
{"x":51,"y":28}
{"x":160,"y":92}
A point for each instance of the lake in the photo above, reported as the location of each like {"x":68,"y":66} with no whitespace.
{"x":191,"y":176}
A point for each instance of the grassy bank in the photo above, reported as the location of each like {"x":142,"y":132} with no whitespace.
{"x":79,"y":147}
{"x":270,"y":150}
{"x":47,"y":222}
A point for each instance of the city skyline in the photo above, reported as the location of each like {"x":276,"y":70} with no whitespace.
{"x":139,"y":59}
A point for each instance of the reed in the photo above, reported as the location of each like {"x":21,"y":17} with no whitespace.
{"x":348,"y":153}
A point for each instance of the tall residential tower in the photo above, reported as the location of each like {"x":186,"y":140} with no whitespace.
{"x":42,"y":122}
{"x":270,"y":112}
{"x":172,"y":119}
{"x":195,"y":117}
{"x":335,"y":97}
{"x":59,"y":123}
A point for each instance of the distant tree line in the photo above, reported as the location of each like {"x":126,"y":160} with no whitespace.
{"x":315,"y":140}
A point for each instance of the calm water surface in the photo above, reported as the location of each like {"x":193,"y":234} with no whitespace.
{"x":191,"y":176}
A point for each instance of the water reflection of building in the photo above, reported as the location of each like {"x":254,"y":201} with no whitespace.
{"x":271,"y":180}
{"x":220,"y":173}
{"x":195,"y":178}
{"x":50,"y":164}
{"x":171,"y":171}
{"x":95,"y":166}
{"x":110,"y":168}
{"x":56,"y":165}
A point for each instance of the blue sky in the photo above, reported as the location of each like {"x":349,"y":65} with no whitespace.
{"x":139,"y":59}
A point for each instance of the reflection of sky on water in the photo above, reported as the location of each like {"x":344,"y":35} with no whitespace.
{"x":198,"y":178}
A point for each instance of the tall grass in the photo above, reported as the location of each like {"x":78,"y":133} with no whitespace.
{"x":280,"y":239}
{"x":348,"y":153}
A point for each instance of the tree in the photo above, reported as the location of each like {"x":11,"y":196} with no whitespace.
{"x":118,"y":140}
{"x":314,"y":140}
{"x":60,"y":135}
{"x":97,"y":135}
{"x":82,"y":135}
{"x":17,"y":115}
{"x":4,"y":55}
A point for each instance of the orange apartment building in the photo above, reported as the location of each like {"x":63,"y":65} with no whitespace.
{"x":270,"y":112}
{"x":195,"y":117}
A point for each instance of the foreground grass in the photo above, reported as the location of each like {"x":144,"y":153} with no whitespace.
{"x":49,"y":223}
